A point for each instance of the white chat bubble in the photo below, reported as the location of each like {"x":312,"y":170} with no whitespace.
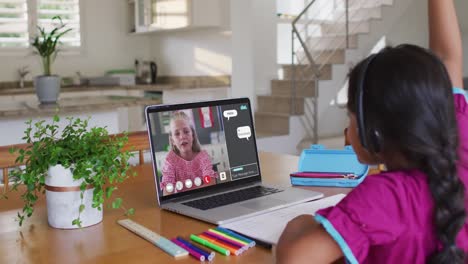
{"x":244,"y":132}
{"x":230,"y":113}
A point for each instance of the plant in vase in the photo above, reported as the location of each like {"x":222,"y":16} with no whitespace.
{"x":46,"y":45}
{"x":77,"y":169}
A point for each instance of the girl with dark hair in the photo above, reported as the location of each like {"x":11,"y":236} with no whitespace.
{"x":403,"y":113}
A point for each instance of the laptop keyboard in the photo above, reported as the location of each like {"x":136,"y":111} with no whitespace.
{"x":231,"y":197}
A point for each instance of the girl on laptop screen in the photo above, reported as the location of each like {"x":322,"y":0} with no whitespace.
{"x":186,"y":166}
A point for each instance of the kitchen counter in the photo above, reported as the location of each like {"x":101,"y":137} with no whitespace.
{"x":164,"y":83}
{"x":65,"y":89}
{"x":31,"y":108}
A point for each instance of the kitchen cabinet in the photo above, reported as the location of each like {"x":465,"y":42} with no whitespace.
{"x":165,"y":15}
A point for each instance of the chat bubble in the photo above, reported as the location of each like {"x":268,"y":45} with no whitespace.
{"x":244,"y":132}
{"x":230,"y":113}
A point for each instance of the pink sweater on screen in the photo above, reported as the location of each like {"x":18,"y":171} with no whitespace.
{"x":176,"y":168}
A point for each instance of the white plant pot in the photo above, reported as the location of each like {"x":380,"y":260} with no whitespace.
{"x":63,"y":200}
{"x":47,"y":88}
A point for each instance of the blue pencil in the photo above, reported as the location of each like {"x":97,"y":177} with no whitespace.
{"x":208,"y":255}
{"x":230,"y":233}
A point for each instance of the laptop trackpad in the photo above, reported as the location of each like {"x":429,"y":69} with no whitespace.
{"x":259,"y":204}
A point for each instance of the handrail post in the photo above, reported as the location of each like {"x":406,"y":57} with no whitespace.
{"x":347,"y":24}
{"x":315,"y":115}
{"x":292,"y":107}
{"x":295,"y":35}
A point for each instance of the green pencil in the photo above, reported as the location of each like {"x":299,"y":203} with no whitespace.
{"x":210,"y":245}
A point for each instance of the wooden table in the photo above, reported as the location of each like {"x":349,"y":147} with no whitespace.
{"x":108,"y":242}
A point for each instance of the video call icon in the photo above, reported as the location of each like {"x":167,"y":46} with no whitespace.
{"x":197,"y":181}
{"x":207,"y":179}
{"x":169,"y":188}
{"x":179,"y":185}
{"x":222,"y":176}
{"x":188,"y":183}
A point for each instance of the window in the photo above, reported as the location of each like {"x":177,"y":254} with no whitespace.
{"x":13,"y":23}
{"x":68,"y":10}
{"x":19,"y":20}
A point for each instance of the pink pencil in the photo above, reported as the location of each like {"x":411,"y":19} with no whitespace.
{"x":226,"y":240}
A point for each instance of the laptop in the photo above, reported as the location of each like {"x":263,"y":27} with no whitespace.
{"x":206,"y":163}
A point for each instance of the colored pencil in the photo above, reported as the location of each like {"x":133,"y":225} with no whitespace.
{"x":226,"y":240}
{"x":208,"y":255}
{"x":229,"y":237}
{"x":234,"y":250}
{"x":192,"y":252}
{"x":210,"y":245}
{"x":227,"y":231}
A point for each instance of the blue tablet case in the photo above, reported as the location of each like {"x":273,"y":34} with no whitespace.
{"x":321,"y":160}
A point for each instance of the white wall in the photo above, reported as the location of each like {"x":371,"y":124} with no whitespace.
{"x":192,"y":52}
{"x":244,"y":47}
{"x":106,"y":45}
{"x":413,"y":27}
{"x":253,"y":25}
{"x":195,"y":52}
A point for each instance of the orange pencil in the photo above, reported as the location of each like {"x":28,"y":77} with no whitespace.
{"x":236,"y":251}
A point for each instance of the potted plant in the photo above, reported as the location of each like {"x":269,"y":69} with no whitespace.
{"x":46,"y":45}
{"x":77,"y":169}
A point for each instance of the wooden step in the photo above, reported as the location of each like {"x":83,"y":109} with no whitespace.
{"x":332,"y":42}
{"x":271,"y":123}
{"x":284,"y":88}
{"x":357,"y":14}
{"x":305,"y":71}
{"x":325,"y":56}
{"x":339,"y":28}
{"x":280,"y":104}
{"x":363,"y":3}
{"x":329,"y":56}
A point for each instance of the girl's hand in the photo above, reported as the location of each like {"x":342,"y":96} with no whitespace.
{"x":305,"y":241}
{"x":297,"y":227}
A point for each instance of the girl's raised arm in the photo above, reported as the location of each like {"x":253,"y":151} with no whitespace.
{"x":445,"y":39}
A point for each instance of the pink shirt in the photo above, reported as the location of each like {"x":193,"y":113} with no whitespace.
{"x":176,"y":168}
{"x":388,"y":218}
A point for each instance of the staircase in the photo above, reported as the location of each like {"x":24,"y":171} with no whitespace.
{"x":326,"y":39}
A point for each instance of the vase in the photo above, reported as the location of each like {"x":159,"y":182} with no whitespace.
{"x":63,"y":200}
{"x":47,"y":88}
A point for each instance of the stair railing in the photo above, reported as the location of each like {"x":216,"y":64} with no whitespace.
{"x":307,"y":66}
{"x":313,"y":65}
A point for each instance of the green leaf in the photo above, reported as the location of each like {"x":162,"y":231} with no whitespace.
{"x":130,"y":212}
{"x":56,"y":118}
{"x":109,"y":191}
{"x":82,"y":207}
{"x":116,"y":203}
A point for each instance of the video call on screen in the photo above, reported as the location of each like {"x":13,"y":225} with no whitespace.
{"x":225,"y":136}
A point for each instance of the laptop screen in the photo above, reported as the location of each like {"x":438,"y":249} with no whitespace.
{"x":198,"y":146}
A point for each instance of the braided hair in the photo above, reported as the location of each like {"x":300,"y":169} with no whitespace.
{"x":408,"y":98}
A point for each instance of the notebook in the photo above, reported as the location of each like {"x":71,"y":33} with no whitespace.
{"x":269,"y":226}
{"x":206,"y":163}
